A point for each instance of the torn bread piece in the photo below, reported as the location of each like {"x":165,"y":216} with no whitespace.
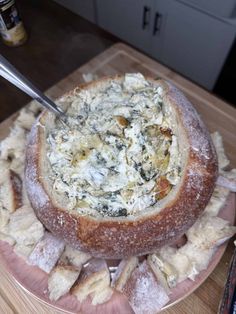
{"x":4,"y":168}
{"x":227,"y":179}
{"x":4,"y":218}
{"x":23,"y":250}
{"x":12,"y":148}
{"x":47,"y":252}
{"x":25,"y":119}
{"x":188,"y":261}
{"x":144,"y":293}
{"x":199,"y":258}
{"x":26,"y":229}
{"x":94,"y":282}
{"x":11,"y":191}
{"x":61,"y":279}
{"x":6,"y":238}
{"x":75,"y":257}
{"x":209,"y":232}
{"x":64,"y":275}
{"x":203,"y":238}
{"x":223,"y":161}
{"x":102,"y":296}
{"x":165,"y":273}
{"x":5,"y":203}
{"x":160,"y":276}
{"x":123,"y":272}
{"x":217,"y":200}
{"x":178,"y":261}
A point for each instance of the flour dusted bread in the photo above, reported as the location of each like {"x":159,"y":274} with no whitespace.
{"x":94,"y":282}
{"x":75,"y":257}
{"x":26,"y":229}
{"x":227,"y":179}
{"x":123,"y":272}
{"x":5,"y":237}
{"x":164,"y":272}
{"x":10,"y":193}
{"x":208,"y":233}
{"x":62,"y":278}
{"x":46,"y":252}
{"x":144,"y":293}
{"x":132,"y":170}
{"x":66,"y":272}
{"x":223,"y":160}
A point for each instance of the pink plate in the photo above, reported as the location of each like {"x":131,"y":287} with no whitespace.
{"x":34,"y":281}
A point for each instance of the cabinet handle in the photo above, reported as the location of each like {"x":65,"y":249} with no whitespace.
{"x":157,"y":23}
{"x":146,"y":16}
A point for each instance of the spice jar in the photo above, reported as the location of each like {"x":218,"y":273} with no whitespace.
{"x":11,"y":27}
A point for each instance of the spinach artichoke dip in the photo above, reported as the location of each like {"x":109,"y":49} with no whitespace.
{"x":118,"y":154}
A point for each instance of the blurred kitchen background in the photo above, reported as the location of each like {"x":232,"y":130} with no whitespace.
{"x":195,"y":38}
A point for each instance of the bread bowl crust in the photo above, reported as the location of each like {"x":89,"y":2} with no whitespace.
{"x":120,"y":237}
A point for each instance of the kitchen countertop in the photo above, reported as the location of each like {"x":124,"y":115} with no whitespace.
{"x":217,"y":115}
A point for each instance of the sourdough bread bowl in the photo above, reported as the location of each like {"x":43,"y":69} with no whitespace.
{"x":131,"y":171}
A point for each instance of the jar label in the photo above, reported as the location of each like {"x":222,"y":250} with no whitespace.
{"x":9,"y":16}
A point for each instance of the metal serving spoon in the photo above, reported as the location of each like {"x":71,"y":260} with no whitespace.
{"x":11,"y":74}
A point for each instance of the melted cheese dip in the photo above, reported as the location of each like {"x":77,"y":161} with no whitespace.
{"x":118,"y":155}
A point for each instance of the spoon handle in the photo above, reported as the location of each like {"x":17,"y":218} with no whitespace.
{"x":11,"y":74}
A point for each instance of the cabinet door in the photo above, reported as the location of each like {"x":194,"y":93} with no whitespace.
{"x":84,"y":8}
{"x":129,"y":20}
{"x":193,"y":43}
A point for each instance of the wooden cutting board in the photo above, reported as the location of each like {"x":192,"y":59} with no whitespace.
{"x":217,"y":115}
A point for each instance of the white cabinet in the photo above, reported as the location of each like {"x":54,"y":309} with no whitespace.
{"x":85,"y":8}
{"x":223,"y":8}
{"x":186,"y":39}
{"x":127,"y":19}
{"x":192,"y":42}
